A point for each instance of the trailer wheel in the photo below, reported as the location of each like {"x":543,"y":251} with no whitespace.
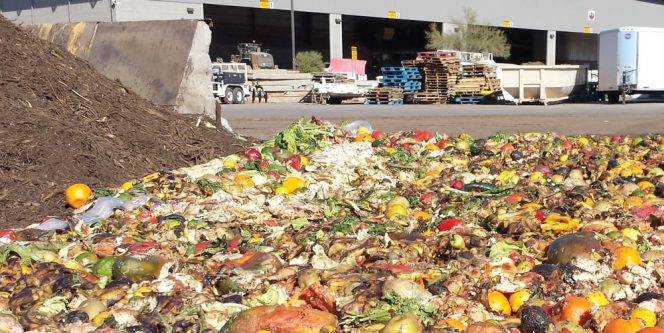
{"x":334,"y":100}
{"x":238,"y":96}
{"x":613,"y":97}
{"x":228,"y":96}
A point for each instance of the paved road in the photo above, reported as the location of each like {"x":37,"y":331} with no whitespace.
{"x":264,"y":120}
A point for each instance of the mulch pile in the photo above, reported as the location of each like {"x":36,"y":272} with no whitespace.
{"x":61,"y":122}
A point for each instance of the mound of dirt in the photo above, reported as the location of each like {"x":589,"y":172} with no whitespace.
{"x":61,"y":123}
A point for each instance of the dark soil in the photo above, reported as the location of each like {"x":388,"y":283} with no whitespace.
{"x":61,"y":123}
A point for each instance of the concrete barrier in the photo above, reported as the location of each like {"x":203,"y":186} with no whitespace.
{"x":166,"y":62}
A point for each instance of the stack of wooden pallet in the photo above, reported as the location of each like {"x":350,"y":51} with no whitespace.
{"x":440,"y":71}
{"x":407,"y":78}
{"x":387,"y":96}
{"x":475,"y":81}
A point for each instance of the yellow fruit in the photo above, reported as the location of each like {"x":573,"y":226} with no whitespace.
{"x":453,"y":323}
{"x":648,"y":317}
{"x":431,"y":146}
{"x":424,"y":216}
{"x":632,"y":202}
{"x":401,"y":201}
{"x":597,"y":299}
{"x":244,"y":180}
{"x":364,"y":137}
{"x":583,"y":141}
{"x":518,"y":299}
{"x":293,"y":184}
{"x":499,"y":303}
{"x":630,"y":233}
{"x":557,"y":179}
{"x":363,"y":130}
{"x":564,"y":158}
{"x":126,"y":186}
{"x":78,"y":195}
{"x":281,"y":190}
{"x":304,"y":161}
{"x":644,"y":185}
{"x":396,"y":211}
{"x":536,"y":176}
{"x":625,"y":257}
{"x":231,"y":160}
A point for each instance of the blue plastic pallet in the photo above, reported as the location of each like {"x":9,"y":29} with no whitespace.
{"x":399,"y":69}
{"x":463,"y":100}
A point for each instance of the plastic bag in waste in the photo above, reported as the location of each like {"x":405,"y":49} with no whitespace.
{"x":353,"y":127}
{"x":52,"y":224}
{"x":105,"y":206}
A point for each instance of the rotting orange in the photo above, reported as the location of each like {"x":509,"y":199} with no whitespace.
{"x":499,"y":303}
{"x":244,"y":180}
{"x":626,"y":256}
{"x":623,"y":326}
{"x":576,"y":309}
{"x":78,"y":195}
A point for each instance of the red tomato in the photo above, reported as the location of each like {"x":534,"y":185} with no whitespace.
{"x":456,"y":184}
{"x":420,"y":135}
{"x":540,"y":216}
{"x":142,"y":247}
{"x":448,"y":224}
{"x":253,"y":154}
{"x":378,"y":135}
{"x":515,"y":198}
{"x":91,"y":278}
{"x":506,"y":147}
{"x":294,"y":162}
{"x":10,"y":234}
{"x":271,"y":223}
{"x":426,"y":197}
{"x":615,"y":139}
{"x":200,"y":247}
{"x":442,"y":144}
{"x":567,"y":144}
{"x":264,"y":164}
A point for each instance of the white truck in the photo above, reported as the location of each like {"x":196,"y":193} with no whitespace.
{"x":328,"y":91}
{"x":631,"y":61}
{"x":229,"y":82}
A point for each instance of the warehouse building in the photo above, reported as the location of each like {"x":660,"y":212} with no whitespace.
{"x":551,"y":32}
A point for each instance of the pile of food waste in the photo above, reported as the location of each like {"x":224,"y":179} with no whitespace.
{"x":344,"y":228}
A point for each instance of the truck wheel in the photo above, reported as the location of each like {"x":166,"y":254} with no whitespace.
{"x":238,"y":96}
{"x":228,"y":96}
{"x":613,"y":97}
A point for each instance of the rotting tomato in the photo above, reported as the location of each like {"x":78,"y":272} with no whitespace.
{"x":9,"y":234}
{"x":378,"y":135}
{"x":449,"y":224}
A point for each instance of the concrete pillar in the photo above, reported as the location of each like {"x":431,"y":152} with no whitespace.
{"x":336,"y":38}
{"x":448,"y":28}
{"x":551,"y":47}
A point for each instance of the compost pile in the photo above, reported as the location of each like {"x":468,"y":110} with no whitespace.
{"x":62,"y":122}
{"x":347,"y":229}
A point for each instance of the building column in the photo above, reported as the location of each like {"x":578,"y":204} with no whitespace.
{"x":551,"y":47}
{"x":336,"y":40}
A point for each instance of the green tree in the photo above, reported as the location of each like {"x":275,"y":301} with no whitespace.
{"x":469,"y":37}
{"x":309,"y":61}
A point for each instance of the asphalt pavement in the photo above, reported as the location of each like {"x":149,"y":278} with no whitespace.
{"x":264,"y":120}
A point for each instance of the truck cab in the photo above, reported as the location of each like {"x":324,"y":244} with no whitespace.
{"x":229,"y":82}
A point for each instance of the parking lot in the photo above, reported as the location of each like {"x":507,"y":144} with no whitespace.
{"x":264,"y":120}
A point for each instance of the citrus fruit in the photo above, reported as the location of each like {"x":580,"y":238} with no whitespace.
{"x":648,"y":317}
{"x":395,"y":211}
{"x":499,"y":303}
{"x":623,"y":326}
{"x":626,"y":256}
{"x":576,"y":309}
{"x":518,"y":299}
{"x":78,"y":195}
{"x":244,"y":180}
{"x":651,"y":330}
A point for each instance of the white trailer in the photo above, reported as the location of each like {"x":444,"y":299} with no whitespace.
{"x":229,"y":82}
{"x":631,"y":61}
